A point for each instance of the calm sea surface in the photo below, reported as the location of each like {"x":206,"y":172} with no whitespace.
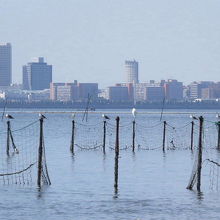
{"x":152,"y":184}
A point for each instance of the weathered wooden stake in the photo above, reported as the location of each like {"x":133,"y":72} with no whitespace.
{"x":164,"y":134}
{"x":8,"y":137}
{"x":40,"y":154}
{"x":199,"y":167}
{"x":116,"y":155}
{"x":104,"y":136}
{"x":192,"y":135}
{"x":72,"y":137}
{"x":218,"y":128}
{"x":133,"y":136}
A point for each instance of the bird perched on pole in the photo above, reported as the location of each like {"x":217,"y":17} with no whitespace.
{"x":193,"y":117}
{"x":105,"y":117}
{"x":9,"y":116}
{"x":134,"y":112}
{"x":41,"y":116}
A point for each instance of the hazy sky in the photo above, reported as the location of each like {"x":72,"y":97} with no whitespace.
{"x":89,"y":40}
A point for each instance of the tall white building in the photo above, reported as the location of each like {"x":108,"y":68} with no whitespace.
{"x":5,"y":64}
{"x":131,"y":71}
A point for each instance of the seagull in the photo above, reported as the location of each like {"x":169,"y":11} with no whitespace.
{"x":73,"y":115}
{"x":193,"y":117}
{"x":218,"y":115}
{"x":8,"y":116}
{"x":105,"y":117}
{"x":134,"y":112}
{"x":42,"y":116}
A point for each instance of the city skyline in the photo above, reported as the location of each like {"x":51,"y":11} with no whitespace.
{"x":98,"y":39}
{"x":130,"y":73}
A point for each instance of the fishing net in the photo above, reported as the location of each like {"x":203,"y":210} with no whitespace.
{"x":88,"y":136}
{"x":149,"y":137}
{"x":125,"y":135}
{"x":19,"y":155}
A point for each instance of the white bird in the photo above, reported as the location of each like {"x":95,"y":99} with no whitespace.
{"x":134,"y":112}
{"x":41,"y":116}
{"x":9,"y":116}
{"x":73,"y":115}
{"x":218,"y":115}
{"x":105,"y":116}
{"x":193,"y":117}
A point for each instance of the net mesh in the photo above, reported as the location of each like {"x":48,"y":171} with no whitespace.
{"x":211,"y":161}
{"x":125,"y":135}
{"x":88,"y":136}
{"x":144,"y":137}
{"x":19,"y":155}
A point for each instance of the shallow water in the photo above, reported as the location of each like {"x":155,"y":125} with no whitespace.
{"x":152,"y":184}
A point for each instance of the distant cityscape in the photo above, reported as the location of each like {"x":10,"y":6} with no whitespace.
{"x":37,"y":85}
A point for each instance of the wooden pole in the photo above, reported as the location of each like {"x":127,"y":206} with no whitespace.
{"x":218,"y":128}
{"x":164,"y":135}
{"x":40,"y":154}
{"x":116,"y":155}
{"x":192,"y":135}
{"x":8,"y":137}
{"x":133,"y":136}
{"x":73,"y":137}
{"x":104,"y":136}
{"x":199,"y":167}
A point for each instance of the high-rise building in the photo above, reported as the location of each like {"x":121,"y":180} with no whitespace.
{"x":37,"y":75}
{"x":131,"y":70}
{"x":5,"y":64}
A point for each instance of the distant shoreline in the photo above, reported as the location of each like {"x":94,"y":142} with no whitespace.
{"x":80,"y":106}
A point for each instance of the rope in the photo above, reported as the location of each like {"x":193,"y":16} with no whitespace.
{"x":127,"y":147}
{"x":18,"y":172}
{"x":88,"y":125}
{"x":212,"y":161}
{"x":153,"y":126}
{"x":180,"y":127}
{"x":88,"y":148}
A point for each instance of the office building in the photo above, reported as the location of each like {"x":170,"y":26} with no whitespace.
{"x":64,"y":91}
{"x":118,"y":93}
{"x":140,"y":91}
{"x":37,"y":75}
{"x":131,"y":71}
{"x":173,"y":90}
{"x":148,"y":91}
{"x":5,"y":64}
{"x":195,"y":89}
{"x":88,"y":90}
{"x":154,"y":93}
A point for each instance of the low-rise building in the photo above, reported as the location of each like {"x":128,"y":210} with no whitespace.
{"x":118,"y":93}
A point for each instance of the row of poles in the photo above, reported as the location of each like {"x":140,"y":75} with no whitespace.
{"x":117,"y":148}
{"x":134,"y":135}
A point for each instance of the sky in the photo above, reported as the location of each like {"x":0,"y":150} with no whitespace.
{"x":89,"y":40}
